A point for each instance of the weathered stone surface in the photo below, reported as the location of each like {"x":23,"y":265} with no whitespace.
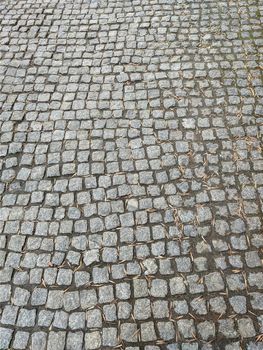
{"x":131,"y":174}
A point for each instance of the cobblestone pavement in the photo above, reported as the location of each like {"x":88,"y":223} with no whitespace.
{"x":131,"y":175}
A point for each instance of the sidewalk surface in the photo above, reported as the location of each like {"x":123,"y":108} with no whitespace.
{"x":131,"y":174}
